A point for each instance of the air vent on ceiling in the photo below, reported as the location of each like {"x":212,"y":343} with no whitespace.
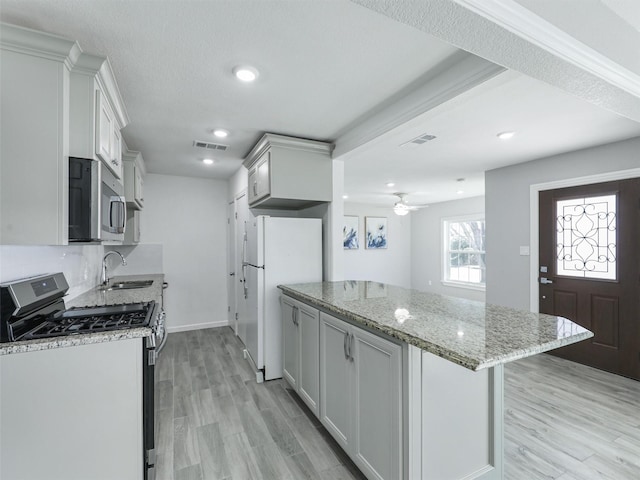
{"x":419,"y":140}
{"x":209,"y":146}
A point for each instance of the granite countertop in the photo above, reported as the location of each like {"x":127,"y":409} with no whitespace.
{"x":97,"y":297}
{"x":472,"y":334}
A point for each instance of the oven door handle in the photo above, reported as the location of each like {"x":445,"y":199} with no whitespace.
{"x":165,"y":335}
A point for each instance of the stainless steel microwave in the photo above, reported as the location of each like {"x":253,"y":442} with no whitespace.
{"x":97,"y":208}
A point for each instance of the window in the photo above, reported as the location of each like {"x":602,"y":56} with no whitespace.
{"x":464,"y":252}
{"x":586,"y":237}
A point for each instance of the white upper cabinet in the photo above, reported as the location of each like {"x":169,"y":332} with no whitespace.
{"x":34,"y":106}
{"x":289,"y":173}
{"x":57,"y":102}
{"x":133,"y":165}
{"x":259,"y":180}
{"x":104,"y":128}
{"x":97,"y":113}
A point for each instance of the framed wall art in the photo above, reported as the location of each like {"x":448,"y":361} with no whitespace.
{"x":350,"y":233}
{"x":375,"y":232}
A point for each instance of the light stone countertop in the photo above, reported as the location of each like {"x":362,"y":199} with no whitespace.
{"x":97,"y":297}
{"x":472,"y":334}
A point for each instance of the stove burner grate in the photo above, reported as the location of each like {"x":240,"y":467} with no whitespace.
{"x":72,"y":322}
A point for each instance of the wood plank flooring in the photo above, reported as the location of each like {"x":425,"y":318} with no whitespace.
{"x":567,"y":421}
{"x":562,"y":420}
{"x":213,"y":421}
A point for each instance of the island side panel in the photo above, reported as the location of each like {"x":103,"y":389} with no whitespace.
{"x":462,"y":421}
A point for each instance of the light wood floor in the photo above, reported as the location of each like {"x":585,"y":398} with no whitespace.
{"x":213,"y":421}
{"x":562,"y":420}
{"x":567,"y":421}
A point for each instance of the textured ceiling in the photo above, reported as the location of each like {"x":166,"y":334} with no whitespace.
{"x":546,"y":120}
{"x":322,"y":64}
{"x":328,"y":66}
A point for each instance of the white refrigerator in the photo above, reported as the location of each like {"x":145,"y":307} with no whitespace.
{"x":275,"y":251}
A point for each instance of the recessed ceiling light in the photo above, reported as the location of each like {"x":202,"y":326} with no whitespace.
{"x":220,"y":133}
{"x":505,"y":135}
{"x":245,"y":74}
{"x":460,"y":192}
{"x":207,"y":161}
{"x":345,"y":196}
{"x":391,"y":184}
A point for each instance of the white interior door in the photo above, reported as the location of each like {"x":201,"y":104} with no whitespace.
{"x":232,"y":281}
{"x":241,"y":215}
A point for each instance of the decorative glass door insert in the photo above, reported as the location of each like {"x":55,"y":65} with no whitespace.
{"x":586,"y":237}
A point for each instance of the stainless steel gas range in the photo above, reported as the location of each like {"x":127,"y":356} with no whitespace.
{"x":32,"y":309}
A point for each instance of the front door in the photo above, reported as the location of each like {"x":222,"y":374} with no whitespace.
{"x":590,"y":270}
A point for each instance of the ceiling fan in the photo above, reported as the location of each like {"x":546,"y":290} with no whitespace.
{"x":401,"y":207}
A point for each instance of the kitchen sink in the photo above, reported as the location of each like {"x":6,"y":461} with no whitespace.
{"x":129,"y":285}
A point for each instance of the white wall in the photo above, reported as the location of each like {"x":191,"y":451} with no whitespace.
{"x":142,"y":259}
{"x":507,"y":211}
{"x":188,"y":216}
{"x":426,"y":246}
{"x":391,"y":265}
{"x":81,"y":264}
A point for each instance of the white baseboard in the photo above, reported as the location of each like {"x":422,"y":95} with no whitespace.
{"x":198,"y":326}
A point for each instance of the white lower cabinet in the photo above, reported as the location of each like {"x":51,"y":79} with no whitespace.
{"x":72,"y":413}
{"x":361,"y":396}
{"x":300,"y":350}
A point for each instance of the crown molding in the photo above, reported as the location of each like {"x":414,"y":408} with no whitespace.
{"x":100,"y":67}
{"x":39,"y":44}
{"x":269,"y":140}
{"x":464,"y":73}
{"x":513,"y":17}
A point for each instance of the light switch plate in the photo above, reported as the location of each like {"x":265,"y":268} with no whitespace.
{"x":524,"y":250}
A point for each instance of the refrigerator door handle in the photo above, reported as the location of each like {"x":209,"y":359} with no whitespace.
{"x":244,"y":264}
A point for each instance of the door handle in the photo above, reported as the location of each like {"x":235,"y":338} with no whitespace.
{"x":545,"y":281}
{"x":346,"y":337}
{"x":351,"y":346}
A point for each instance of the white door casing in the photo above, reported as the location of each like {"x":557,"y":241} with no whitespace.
{"x":231,"y":265}
{"x":241,"y":215}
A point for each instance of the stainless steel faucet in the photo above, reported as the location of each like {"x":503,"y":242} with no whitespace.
{"x":105,"y":279}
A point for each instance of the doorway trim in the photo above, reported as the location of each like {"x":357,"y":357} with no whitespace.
{"x":534,"y":211}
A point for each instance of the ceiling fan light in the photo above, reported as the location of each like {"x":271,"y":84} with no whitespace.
{"x":401,"y":209}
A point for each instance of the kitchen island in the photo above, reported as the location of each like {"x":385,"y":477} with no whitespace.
{"x":423,"y":371}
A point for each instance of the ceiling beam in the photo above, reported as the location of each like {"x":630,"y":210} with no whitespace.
{"x":505,"y":33}
{"x":456,"y":75}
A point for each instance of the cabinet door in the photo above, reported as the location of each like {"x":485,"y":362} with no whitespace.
{"x":377,"y":435}
{"x":138,"y":187}
{"x":309,"y":382}
{"x":253,"y":185}
{"x":136,"y":226}
{"x":335,"y":379}
{"x":290,"y":342}
{"x":104,"y":128}
{"x":116,"y":151}
{"x":263,"y":176}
